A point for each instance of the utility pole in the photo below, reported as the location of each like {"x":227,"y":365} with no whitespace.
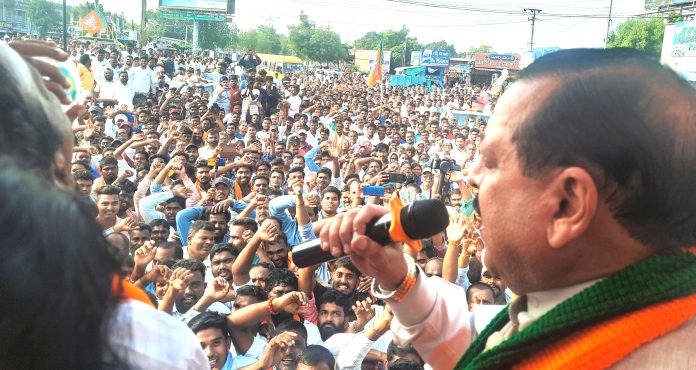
{"x":533,"y":19}
{"x":143,"y":42}
{"x":611,"y":5}
{"x":65,"y":26}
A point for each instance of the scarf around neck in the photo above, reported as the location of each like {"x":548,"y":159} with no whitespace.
{"x":638,"y":294}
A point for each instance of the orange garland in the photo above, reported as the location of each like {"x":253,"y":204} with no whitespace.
{"x":125,"y":290}
{"x":602,"y":345}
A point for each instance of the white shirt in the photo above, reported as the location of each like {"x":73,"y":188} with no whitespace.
{"x":205,"y":152}
{"x":98,"y":69}
{"x":538,"y":304}
{"x":258,"y":347}
{"x":313,"y":336}
{"x":106,"y":89}
{"x":206,"y":262}
{"x":312,"y":140}
{"x":435,"y":318}
{"x":295,"y":102}
{"x":124,"y":93}
{"x":376,"y":140}
{"x":143,"y":79}
{"x":149,"y":339}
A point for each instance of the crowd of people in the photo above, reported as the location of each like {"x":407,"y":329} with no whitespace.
{"x":200,"y":182}
{"x":204,"y":182}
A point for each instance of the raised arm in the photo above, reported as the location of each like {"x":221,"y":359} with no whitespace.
{"x":178,"y":283}
{"x":254,"y":314}
{"x":352,"y":355}
{"x":251,"y":316}
{"x":455,"y":234}
{"x":185,"y":218}
{"x":242,"y":265}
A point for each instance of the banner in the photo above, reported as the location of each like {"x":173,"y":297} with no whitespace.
{"x":435,"y":57}
{"x":416,"y":58}
{"x":92,"y":23}
{"x":365,"y":60}
{"x":376,"y":72}
{"x":497,"y":61}
{"x":218,"y":6}
{"x":684,"y":41}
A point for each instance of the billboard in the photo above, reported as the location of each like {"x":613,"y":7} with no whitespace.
{"x":497,"y":61}
{"x":650,"y":4}
{"x":365,"y":60}
{"x":679,"y":48}
{"x":684,"y":39}
{"x":217,"y":6}
{"x":416,"y":58}
{"x":435,"y":57}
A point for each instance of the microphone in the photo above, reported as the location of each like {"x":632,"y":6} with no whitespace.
{"x":418,"y":220}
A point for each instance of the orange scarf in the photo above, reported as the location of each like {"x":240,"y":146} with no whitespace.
{"x":238,"y":194}
{"x":125,"y":290}
{"x":603,"y":345}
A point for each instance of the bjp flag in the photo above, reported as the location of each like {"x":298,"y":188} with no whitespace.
{"x":376,"y":72}
{"x":92,"y":23}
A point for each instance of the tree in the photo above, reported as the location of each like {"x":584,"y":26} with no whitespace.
{"x":44,"y":16}
{"x":327,"y":47}
{"x":213,"y":35}
{"x":481,"y":49}
{"x":77,"y":12}
{"x":641,"y":34}
{"x":394,"y":41}
{"x":441,"y":45}
{"x":310,"y":42}
{"x":263,"y":39}
{"x":300,"y":36}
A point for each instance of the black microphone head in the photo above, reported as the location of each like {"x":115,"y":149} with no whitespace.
{"x":424,"y":218}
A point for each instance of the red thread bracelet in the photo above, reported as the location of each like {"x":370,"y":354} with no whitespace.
{"x":270,"y":306}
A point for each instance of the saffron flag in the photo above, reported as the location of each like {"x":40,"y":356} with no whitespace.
{"x":92,"y":23}
{"x":376,"y":72}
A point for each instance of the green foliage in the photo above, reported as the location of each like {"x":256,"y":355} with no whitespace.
{"x":481,"y":49}
{"x":77,"y":12}
{"x":641,"y":34}
{"x":394,"y":41}
{"x":213,"y":35}
{"x":44,"y":16}
{"x":441,"y":45}
{"x":263,"y":39}
{"x":318,"y":44}
{"x":155,"y":26}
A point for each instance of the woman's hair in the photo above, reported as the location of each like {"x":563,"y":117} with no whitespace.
{"x":55,"y":267}
{"x":29,"y":129}
{"x":55,"y":276}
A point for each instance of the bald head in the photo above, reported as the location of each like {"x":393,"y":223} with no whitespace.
{"x":433,"y":267}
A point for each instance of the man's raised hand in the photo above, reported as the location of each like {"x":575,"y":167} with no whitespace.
{"x":180,"y":279}
{"x":218,"y":289}
{"x":145,"y":254}
{"x":292,"y":302}
{"x":182,"y":192}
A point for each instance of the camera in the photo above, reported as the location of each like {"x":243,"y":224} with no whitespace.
{"x":444,"y":165}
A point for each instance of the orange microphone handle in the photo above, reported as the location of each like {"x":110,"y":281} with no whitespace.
{"x":396,"y":229}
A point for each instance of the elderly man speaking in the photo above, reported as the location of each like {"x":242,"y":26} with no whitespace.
{"x":586,"y":192}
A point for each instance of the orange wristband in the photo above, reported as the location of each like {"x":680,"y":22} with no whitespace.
{"x":409,"y":281}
